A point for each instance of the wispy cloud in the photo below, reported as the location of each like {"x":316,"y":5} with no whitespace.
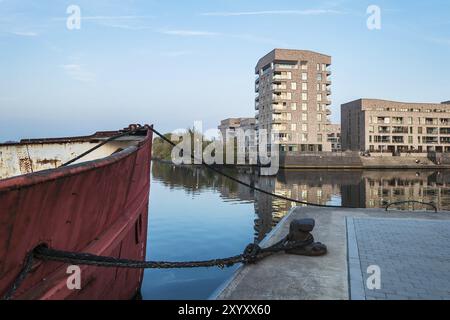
{"x":308,"y":12}
{"x":189,"y":33}
{"x":25,"y":33}
{"x":103,"y":18}
{"x":78,"y":72}
{"x":242,"y":36}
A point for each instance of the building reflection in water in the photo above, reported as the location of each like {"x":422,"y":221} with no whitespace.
{"x":355,"y":188}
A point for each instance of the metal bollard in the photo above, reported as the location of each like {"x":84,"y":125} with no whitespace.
{"x":300,"y":230}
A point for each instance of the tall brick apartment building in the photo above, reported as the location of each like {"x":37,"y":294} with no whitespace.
{"x":292,"y":97}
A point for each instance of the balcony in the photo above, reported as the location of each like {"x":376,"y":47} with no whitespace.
{"x":279,"y":119}
{"x":279,"y":87}
{"x":278,"y":127}
{"x":287,"y":66}
{"x":281,"y":76}
{"x":382,"y":139}
{"x":444,"y":130}
{"x":399,"y":129}
{"x":278,"y":107}
{"x":430,"y":140}
{"x":279,"y":97}
{"x":432,"y":131}
{"x":384,"y":130}
{"x":397,"y":139}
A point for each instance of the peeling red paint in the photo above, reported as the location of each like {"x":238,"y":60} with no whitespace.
{"x":100,"y":207}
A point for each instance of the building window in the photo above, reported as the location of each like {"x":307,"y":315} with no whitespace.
{"x":304,"y":106}
{"x":318,"y":107}
{"x":293,"y":126}
{"x":304,"y":65}
{"x":419,"y":130}
{"x":288,"y":116}
{"x":410,"y":139}
{"x":304,"y":117}
{"x":304,"y":127}
{"x":304,"y":96}
{"x":371,"y":129}
{"x":293,"y":106}
{"x":304,"y":137}
{"x":304,"y":76}
{"x":319,"y":97}
{"x":319,"y":77}
{"x":318,"y":67}
{"x":304,"y":86}
{"x":319,"y":117}
{"x":324,"y":67}
{"x":294,"y":85}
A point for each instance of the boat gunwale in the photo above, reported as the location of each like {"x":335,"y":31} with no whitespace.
{"x":96,"y":137}
{"x":34,"y":178}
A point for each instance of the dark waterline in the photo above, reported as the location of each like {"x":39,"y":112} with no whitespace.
{"x":196,"y":214}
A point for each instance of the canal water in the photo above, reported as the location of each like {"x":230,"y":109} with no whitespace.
{"x":196,"y":214}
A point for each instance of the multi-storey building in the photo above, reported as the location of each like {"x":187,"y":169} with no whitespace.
{"x":292,"y":97}
{"x":231,"y":124}
{"x":380,"y":125}
{"x":334,"y":137}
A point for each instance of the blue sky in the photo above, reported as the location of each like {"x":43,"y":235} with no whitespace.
{"x":173,"y":62}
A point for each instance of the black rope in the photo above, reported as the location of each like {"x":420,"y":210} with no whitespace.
{"x":20,"y":277}
{"x":312,"y":204}
{"x":412,"y":201}
{"x":129,"y":131}
{"x":251,"y":254}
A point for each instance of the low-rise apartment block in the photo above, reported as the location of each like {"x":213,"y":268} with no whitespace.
{"x":387,"y":126}
{"x":293,"y":98}
{"x":334,"y":137}
{"x":231,"y":124}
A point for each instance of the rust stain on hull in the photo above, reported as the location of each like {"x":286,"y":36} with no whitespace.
{"x":99,"y":207}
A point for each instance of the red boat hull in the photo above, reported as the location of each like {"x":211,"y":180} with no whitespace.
{"x":98,"y":207}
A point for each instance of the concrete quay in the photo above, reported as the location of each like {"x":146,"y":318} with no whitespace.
{"x":411,"y":250}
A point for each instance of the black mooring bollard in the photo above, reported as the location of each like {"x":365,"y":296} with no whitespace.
{"x":300,"y":230}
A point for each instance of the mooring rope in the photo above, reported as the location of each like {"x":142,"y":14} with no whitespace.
{"x":252,"y":253}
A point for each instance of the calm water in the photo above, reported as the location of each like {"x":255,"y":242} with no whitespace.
{"x":196,"y":214}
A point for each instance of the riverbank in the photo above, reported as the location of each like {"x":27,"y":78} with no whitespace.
{"x":341,"y":161}
{"x":394,"y":241}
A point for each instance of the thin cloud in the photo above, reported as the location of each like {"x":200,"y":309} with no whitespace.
{"x":103,"y":18}
{"x":25,"y":34}
{"x":78,"y":72}
{"x":189,"y":33}
{"x":308,"y":12}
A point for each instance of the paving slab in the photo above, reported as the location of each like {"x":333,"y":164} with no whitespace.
{"x":292,"y":277}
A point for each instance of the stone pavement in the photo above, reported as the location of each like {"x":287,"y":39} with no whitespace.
{"x":411,"y":248}
{"x":413,"y":256}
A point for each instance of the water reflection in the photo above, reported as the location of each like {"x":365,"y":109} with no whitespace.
{"x":360,"y":188}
